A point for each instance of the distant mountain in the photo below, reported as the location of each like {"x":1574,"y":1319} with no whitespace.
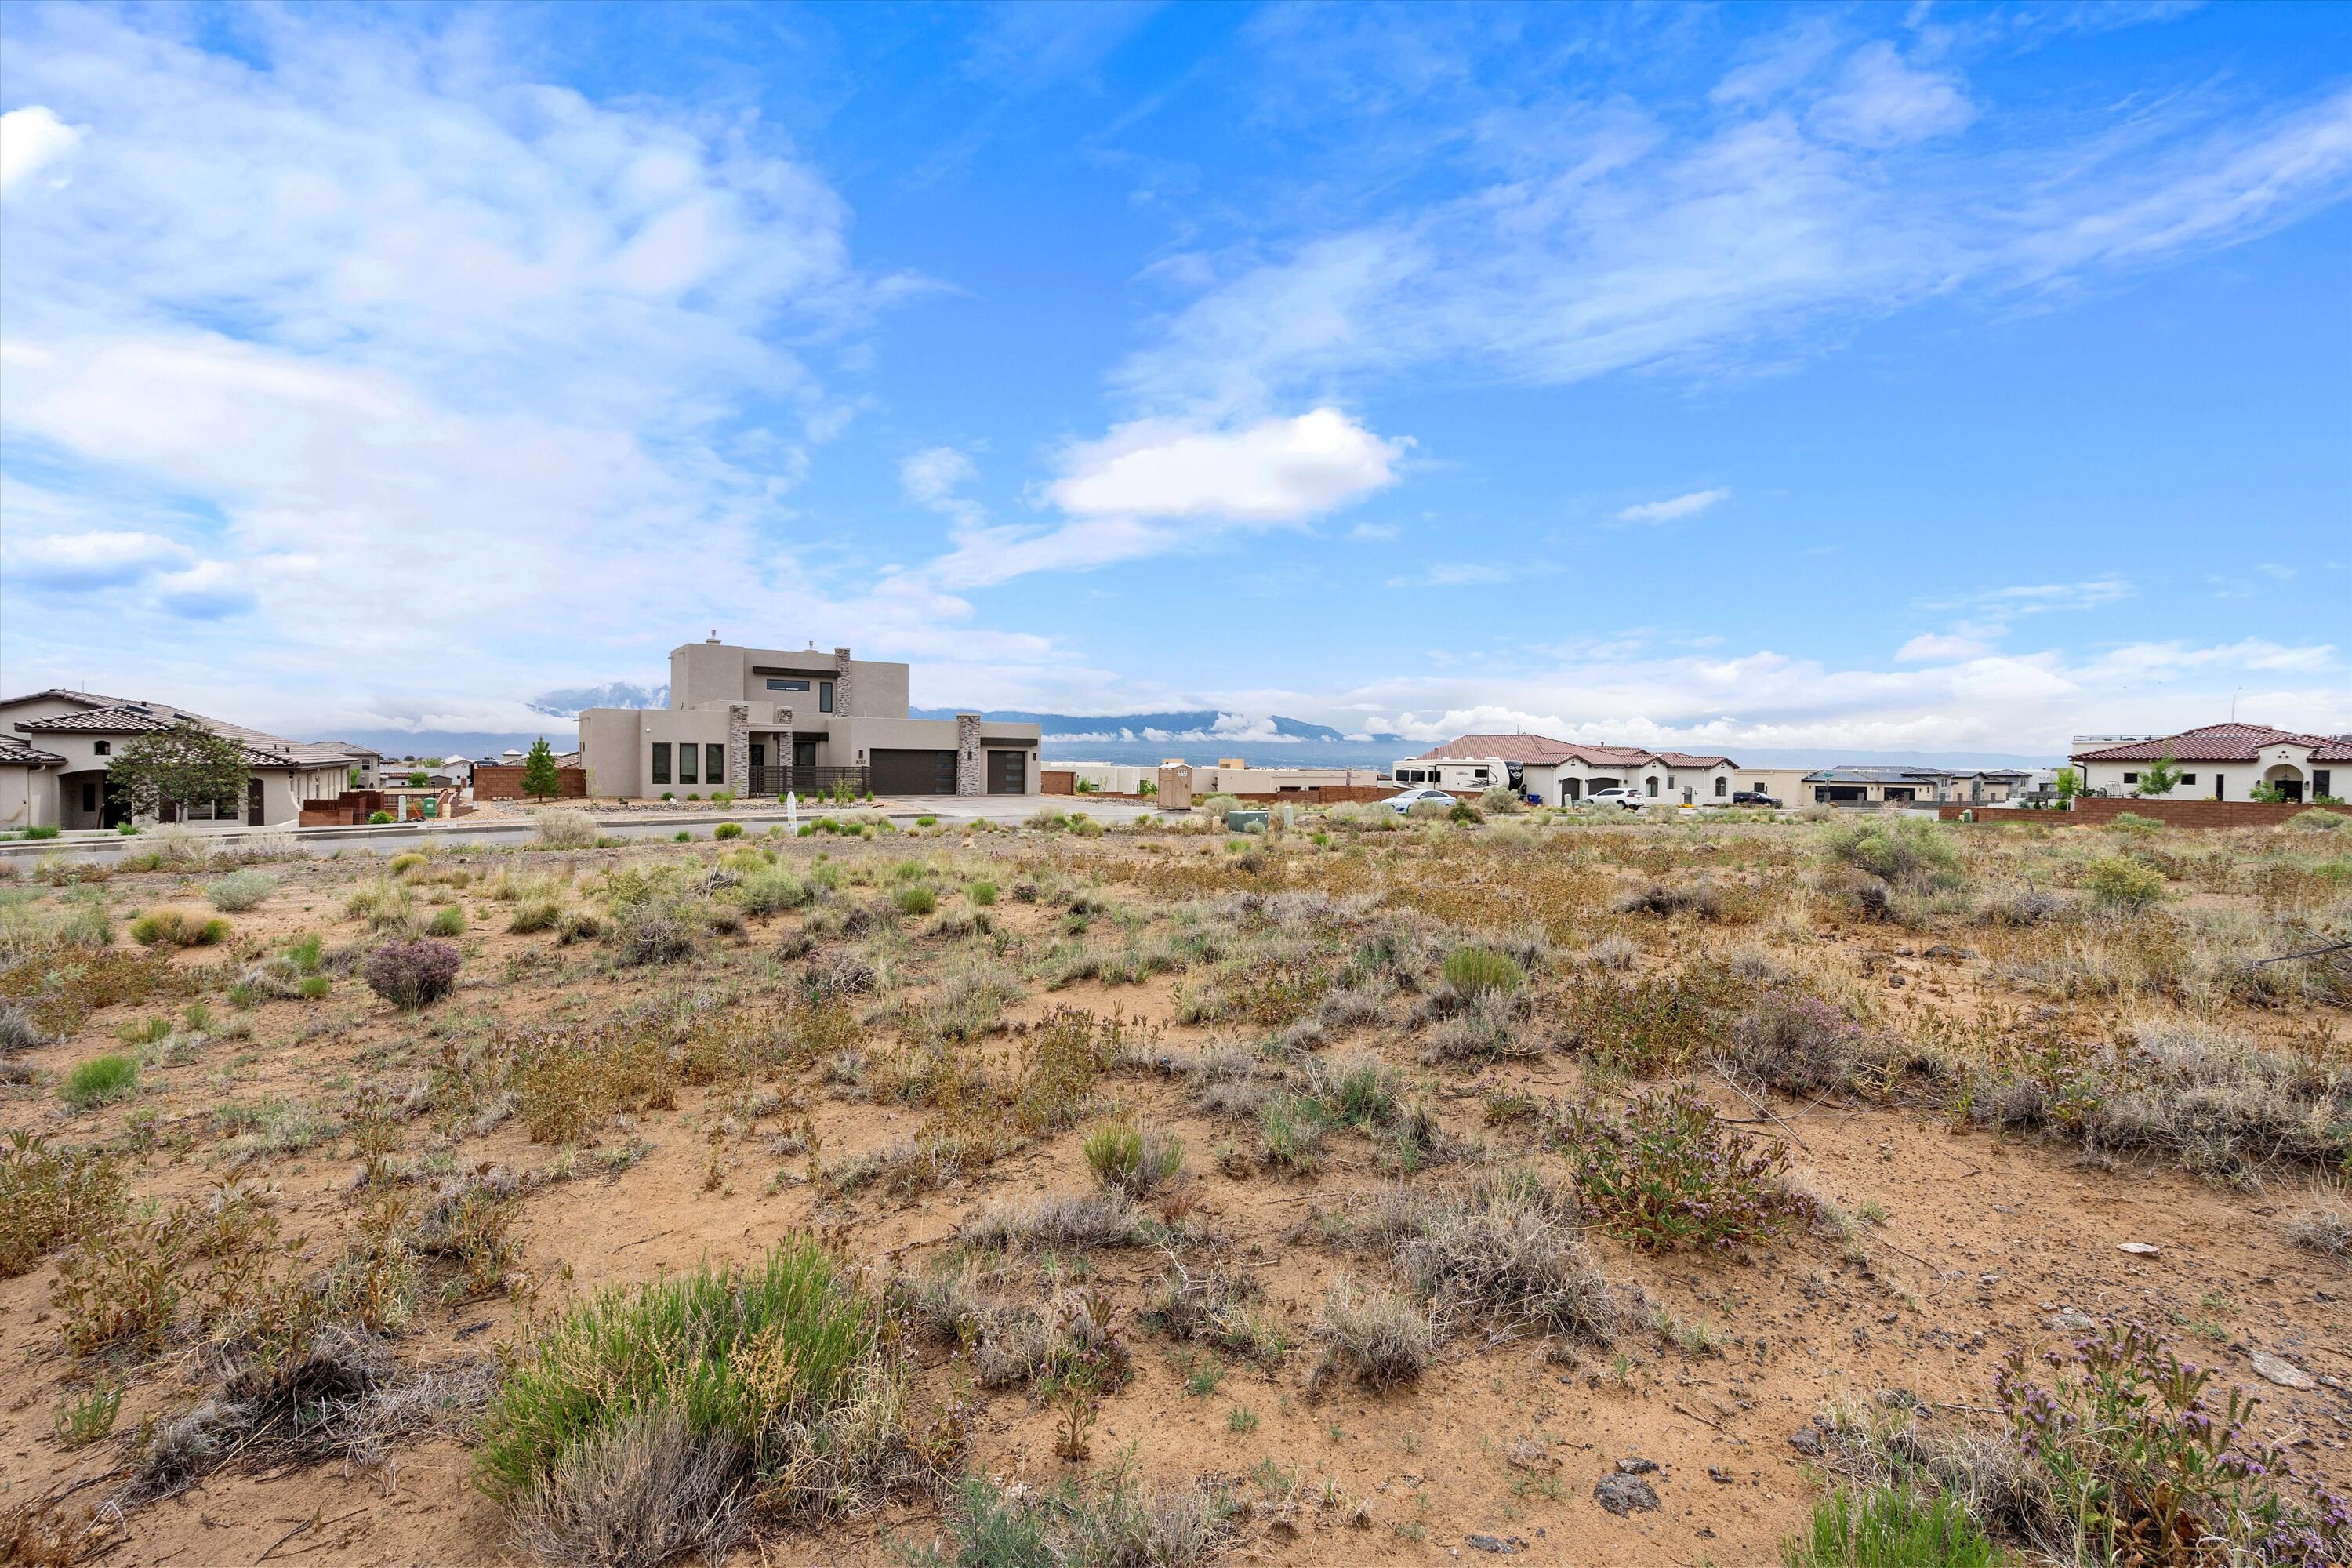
{"x":1186,"y":724}
{"x":567,"y":703}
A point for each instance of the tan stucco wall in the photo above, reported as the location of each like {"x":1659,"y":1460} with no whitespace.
{"x":28,"y":797}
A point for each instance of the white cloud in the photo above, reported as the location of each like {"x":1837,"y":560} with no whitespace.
{"x":1459,"y":574}
{"x":1883,"y":101}
{"x":1743,"y":236}
{"x":97,"y":559}
{"x":410,"y":351}
{"x":1934,"y":646}
{"x":1153,"y":486}
{"x":934,"y":474}
{"x":205,"y":592}
{"x":1689,"y":505}
{"x":1373,"y":534}
{"x":1276,"y":470}
{"x":32,"y":138}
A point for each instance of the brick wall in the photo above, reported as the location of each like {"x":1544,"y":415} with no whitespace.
{"x":1056,"y":780}
{"x":506,"y":783}
{"x":2092,"y":811}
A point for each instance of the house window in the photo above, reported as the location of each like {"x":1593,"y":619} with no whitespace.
{"x":689,"y":754}
{"x":661,"y":762}
{"x":2131,"y":778}
{"x":788,"y":686}
{"x":824,"y":696}
{"x":101,"y":748}
{"x":714,"y":763}
{"x":2189,"y":778}
{"x":1650,"y":786}
{"x":2320,"y":780}
{"x":1722,"y":786}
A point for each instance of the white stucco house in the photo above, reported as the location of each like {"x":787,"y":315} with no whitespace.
{"x":2223,"y":761}
{"x":57,"y":745}
{"x":1561,"y":772}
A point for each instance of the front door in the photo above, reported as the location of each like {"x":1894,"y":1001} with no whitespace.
{"x":803,"y":753}
{"x":252,"y":801}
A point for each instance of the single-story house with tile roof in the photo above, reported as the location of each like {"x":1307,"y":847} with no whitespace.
{"x":82,"y":732}
{"x":1561,"y":772}
{"x":2223,"y":762}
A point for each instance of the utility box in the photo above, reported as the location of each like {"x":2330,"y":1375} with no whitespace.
{"x":1244,"y":821}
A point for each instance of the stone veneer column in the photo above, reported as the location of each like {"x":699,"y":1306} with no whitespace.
{"x":784,"y":745}
{"x":971,"y":768}
{"x":841,"y":682}
{"x":738,"y":747}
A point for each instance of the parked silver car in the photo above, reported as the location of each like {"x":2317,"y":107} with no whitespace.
{"x":1402,"y":804}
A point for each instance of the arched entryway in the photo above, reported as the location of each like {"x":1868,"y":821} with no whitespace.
{"x":2286,"y":778}
{"x":85,"y":801}
{"x":1570,"y":790}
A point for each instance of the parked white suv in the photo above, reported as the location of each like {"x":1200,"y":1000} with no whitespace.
{"x":1402,"y":804}
{"x":1631,"y":800}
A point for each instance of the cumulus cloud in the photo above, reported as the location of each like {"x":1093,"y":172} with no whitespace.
{"x":1941,"y":645}
{"x":1275,"y":470}
{"x":207,"y":591}
{"x":1689,"y":505}
{"x":32,"y":138}
{"x":1156,"y":486}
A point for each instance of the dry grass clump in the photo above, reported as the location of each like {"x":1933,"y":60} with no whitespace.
{"x":1700,"y":900}
{"x":1123,"y":1155}
{"x":767,"y":1390}
{"x":1105,"y":1218}
{"x":1223,"y":1307}
{"x":564,"y":829}
{"x":2324,"y":1226}
{"x":178,"y":928}
{"x":568,"y":1084}
{"x":240,"y":890}
{"x":2193,"y":1094}
{"x":1502,"y":1249}
{"x":1668,"y":1171}
{"x":1381,"y":1336}
{"x":50,"y":1197}
{"x":1112,"y":1520}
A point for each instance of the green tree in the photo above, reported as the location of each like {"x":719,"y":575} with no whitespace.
{"x":540,"y":779}
{"x":2069,"y":784}
{"x":184,"y":765}
{"x":2161,"y":776}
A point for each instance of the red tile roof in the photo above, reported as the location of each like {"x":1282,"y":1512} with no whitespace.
{"x":15,"y":754}
{"x":2218,"y":744}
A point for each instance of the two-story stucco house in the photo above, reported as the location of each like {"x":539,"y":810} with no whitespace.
{"x":761,"y":720}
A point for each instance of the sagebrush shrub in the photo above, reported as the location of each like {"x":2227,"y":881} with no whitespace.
{"x":240,"y":890}
{"x":412,"y":975}
{"x":565,"y":829}
{"x":1899,"y":849}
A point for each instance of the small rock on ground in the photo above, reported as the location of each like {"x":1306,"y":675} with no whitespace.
{"x":1622,"y":1495}
{"x":2278,"y":1369}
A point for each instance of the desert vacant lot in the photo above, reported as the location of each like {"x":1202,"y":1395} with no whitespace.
{"x":1583,"y":1190}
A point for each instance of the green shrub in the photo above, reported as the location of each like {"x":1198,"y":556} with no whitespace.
{"x":50,"y":1196}
{"x":315,"y":986}
{"x":240,"y":890}
{"x":2318,"y":821}
{"x":534,"y":915}
{"x":1477,"y":971}
{"x":177,"y":928}
{"x":771,"y":889}
{"x":102,"y":1081}
{"x":406,"y":862}
{"x":914,"y":900}
{"x":1896,"y":849}
{"x":1123,"y":1155}
{"x":728,"y":830}
{"x":2121,"y":883}
{"x":1670,"y":1172}
{"x":448,"y":921}
{"x":42,"y":830}
{"x":1891,"y":1527}
{"x":2133,"y":822}
{"x":982,"y":892}
{"x":776,"y":1371}
{"x":723,"y":798}
{"x":378,"y":819}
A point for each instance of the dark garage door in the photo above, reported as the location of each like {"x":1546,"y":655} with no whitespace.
{"x":913,"y":773}
{"x":1008,"y":773}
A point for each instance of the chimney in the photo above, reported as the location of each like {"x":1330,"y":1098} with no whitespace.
{"x":713,"y":637}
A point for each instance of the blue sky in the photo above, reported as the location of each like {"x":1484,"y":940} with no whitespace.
{"x":1854,"y":377}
